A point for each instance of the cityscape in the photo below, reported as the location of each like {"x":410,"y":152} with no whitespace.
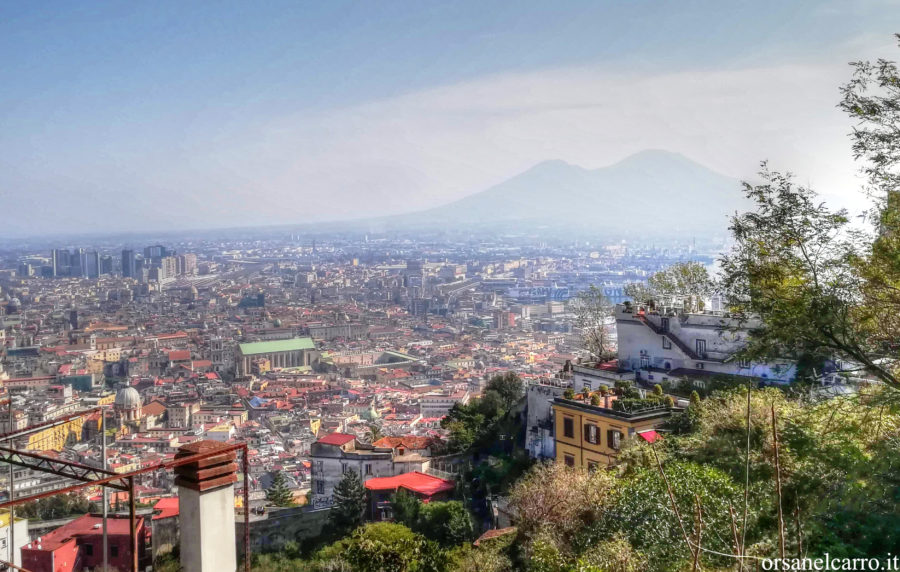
{"x":252,"y":320}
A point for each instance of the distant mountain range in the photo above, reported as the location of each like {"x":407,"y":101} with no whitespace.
{"x":654,"y":192}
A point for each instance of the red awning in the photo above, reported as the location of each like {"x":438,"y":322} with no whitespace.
{"x":650,"y":436}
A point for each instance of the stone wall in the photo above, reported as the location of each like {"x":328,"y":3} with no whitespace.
{"x":279,"y":527}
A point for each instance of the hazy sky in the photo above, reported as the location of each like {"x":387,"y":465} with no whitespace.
{"x":171,"y":115}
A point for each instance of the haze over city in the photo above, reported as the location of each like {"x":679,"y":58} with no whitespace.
{"x":147,"y":117}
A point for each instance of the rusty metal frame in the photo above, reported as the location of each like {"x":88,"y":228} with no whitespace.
{"x":68,"y":469}
{"x":120,"y":481}
{"x":47,"y":424}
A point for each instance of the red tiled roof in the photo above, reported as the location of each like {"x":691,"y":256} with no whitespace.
{"x":168,"y":508}
{"x":180,"y":355}
{"x":116,"y":526}
{"x":417,"y":482}
{"x":336,"y":439}
{"x":408,"y":441}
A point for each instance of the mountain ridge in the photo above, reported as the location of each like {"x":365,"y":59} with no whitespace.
{"x":665,"y":185}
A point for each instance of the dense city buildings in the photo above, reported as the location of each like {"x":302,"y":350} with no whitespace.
{"x":322,"y":355}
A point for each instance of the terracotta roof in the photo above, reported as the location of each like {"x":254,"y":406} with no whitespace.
{"x":494,"y":533}
{"x":408,"y":441}
{"x":154,"y":408}
{"x":179,"y":355}
{"x":417,"y":482}
{"x":167,"y":507}
{"x":116,"y":526}
{"x":336,"y":439}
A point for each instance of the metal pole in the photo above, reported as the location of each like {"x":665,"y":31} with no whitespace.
{"x":105,"y":497}
{"x":12,"y":511}
{"x":247,"y":509}
{"x":133,"y":522}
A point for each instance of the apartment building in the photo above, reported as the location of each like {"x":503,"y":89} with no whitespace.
{"x":590,"y":436}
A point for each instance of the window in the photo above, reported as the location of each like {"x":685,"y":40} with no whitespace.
{"x":701,"y":347}
{"x":664,"y":324}
{"x":114,"y":551}
{"x":368,"y":468}
{"x":593,"y":466}
{"x":568,"y":427}
{"x":587,"y":386}
{"x":88,"y":549}
{"x":591,"y":434}
{"x":320,"y":487}
{"x":614,"y":438}
{"x":569,"y":460}
{"x":667,"y":343}
{"x":744,"y":363}
{"x":645,"y":362}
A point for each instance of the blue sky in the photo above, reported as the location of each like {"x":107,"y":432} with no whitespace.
{"x":231,"y":112}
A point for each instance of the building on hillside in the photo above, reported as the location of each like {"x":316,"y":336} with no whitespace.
{"x":406,"y":444}
{"x":296,"y":352}
{"x":78,"y":546}
{"x":673,"y":344}
{"x":590,"y":436}
{"x":439,"y":403}
{"x":336,"y":453}
{"x":423,"y":486}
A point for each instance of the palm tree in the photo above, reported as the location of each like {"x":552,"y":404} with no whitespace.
{"x":374,"y":433}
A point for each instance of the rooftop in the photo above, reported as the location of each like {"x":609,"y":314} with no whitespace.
{"x":417,"y":482}
{"x":336,"y":439}
{"x":295,"y":344}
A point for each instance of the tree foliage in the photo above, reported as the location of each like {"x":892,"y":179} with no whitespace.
{"x":479,"y":419}
{"x":447,"y":523}
{"x":349,"y":503}
{"x":54,"y":507}
{"x":592,"y":310}
{"x":684,"y":283}
{"x":279,"y":494}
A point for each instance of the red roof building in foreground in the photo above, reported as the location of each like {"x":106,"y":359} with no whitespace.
{"x":78,"y":546}
{"x":426,"y":487}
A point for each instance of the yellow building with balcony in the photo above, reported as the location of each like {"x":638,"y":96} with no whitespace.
{"x":590,"y":436}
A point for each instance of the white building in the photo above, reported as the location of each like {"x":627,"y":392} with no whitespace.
{"x":336,"y":453}
{"x":20,"y":534}
{"x":671,"y":343}
{"x":439,"y":403}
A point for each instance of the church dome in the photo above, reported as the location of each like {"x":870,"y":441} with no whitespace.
{"x":128,"y":398}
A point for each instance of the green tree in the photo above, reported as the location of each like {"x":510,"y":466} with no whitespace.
{"x":349,"y":503}
{"x":475,"y":421}
{"x":279,"y":494}
{"x":508,"y":387}
{"x":381,"y":546}
{"x":374,"y":433}
{"x":688,"y":281}
{"x":447,"y":523}
{"x":658,"y":390}
{"x":405,"y":507}
{"x":569,"y":393}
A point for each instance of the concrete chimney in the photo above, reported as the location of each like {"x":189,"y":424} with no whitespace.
{"x":206,"y":508}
